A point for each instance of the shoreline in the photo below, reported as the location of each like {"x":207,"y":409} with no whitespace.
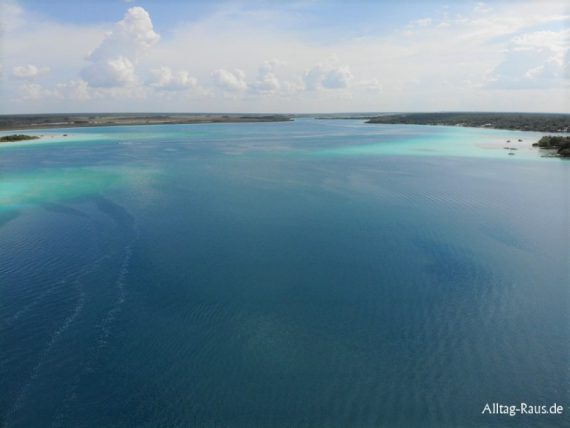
{"x":23,"y":123}
{"x":491,"y":128}
{"x":523,"y":122}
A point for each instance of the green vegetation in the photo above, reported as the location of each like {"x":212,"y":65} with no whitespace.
{"x":555,"y":142}
{"x":17,"y":137}
{"x":542,"y":122}
{"x":43,"y":121}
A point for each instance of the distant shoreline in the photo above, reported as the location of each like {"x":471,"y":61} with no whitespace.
{"x":537,"y":122}
{"x":534,"y":122}
{"x":17,"y":122}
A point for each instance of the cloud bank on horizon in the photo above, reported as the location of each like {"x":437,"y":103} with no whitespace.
{"x":263,"y":57}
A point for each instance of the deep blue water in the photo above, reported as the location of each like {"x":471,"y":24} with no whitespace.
{"x":303,"y":274}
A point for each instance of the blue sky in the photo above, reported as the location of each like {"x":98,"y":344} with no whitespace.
{"x":322,"y":20}
{"x":297,"y":56}
{"x":324,"y":14}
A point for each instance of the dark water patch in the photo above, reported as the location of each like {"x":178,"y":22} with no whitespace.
{"x":7,"y":216}
{"x":115,"y":211}
{"x":452,"y":265}
{"x":61,"y":209}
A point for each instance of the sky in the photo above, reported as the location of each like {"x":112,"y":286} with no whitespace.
{"x":299,"y":56}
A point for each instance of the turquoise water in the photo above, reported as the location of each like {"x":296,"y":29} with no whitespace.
{"x":304,"y":274}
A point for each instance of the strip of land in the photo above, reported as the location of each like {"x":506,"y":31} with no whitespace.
{"x":17,"y":137}
{"x":540,"y":122}
{"x":555,"y":142}
{"x":13,"y":122}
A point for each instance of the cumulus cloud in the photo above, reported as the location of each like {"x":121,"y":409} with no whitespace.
{"x":74,"y":90}
{"x":328,"y":76}
{"x":535,"y":71}
{"x":31,"y":91}
{"x":132,"y":36}
{"x":167,"y":79}
{"x":556,"y":42}
{"x":113,"y":61}
{"x":313,"y":78}
{"x":111,"y":72}
{"x":231,"y":81}
{"x":28,"y":71}
{"x":533,"y":60}
{"x":458,"y":50}
{"x":338,"y":77}
{"x":77,"y":90}
{"x":267,"y":82}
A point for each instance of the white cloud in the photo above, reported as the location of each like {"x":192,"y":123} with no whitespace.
{"x":113,"y":61}
{"x":557,"y":42}
{"x":33,"y":91}
{"x":110,"y":72}
{"x":167,"y":79}
{"x":328,"y":76}
{"x":457,"y":60}
{"x":267,"y":82}
{"x":132,"y":36}
{"x":338,"y":77}
{"x":231,"y":81}
{"x":292,"y":87}
{"x":534,"y":72}
{"x":28,"y":71}
{"x":74,"y":90}
{"x":313,"y":78}
{"x":533,"y":60}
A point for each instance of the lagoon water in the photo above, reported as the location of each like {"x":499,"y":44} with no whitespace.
{"x":312,"y":273}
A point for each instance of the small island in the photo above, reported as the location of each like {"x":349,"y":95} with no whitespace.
{"x":555,"y":142}
{"x":17,"y":137}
